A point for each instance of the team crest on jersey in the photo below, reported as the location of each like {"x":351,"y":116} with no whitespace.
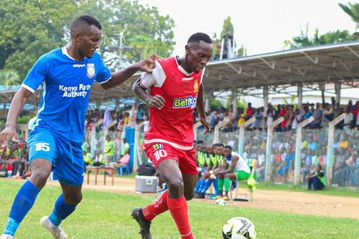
{"x":90,"y":70}
{"x":195,"y":86}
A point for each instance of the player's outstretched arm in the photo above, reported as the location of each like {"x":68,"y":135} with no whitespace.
{"x":156,"y":101}
{"x":200,"y":108}
{"x":17,"y":104}
{"x":118,"y":77}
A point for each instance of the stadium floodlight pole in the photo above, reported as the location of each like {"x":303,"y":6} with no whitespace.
{"x":242,"y":130}
{"x":330,"y":151}
{"x":298,"y":149}
{"x":268,"y":167}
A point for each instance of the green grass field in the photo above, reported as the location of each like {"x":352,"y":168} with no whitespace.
{"x":106,"y":215}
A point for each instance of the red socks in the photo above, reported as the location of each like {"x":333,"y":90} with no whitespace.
{"x":179,"y":211}
{"x":156,"y":207}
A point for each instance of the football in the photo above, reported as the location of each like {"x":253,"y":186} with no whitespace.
{"x":239,"y":228}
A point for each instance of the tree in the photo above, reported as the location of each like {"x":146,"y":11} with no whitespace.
{"x":146,"y":31}
{"x":31,"y":28}
{"x":227,"y":27}
{"x":303,"y":40}
{"x":352,"y":9}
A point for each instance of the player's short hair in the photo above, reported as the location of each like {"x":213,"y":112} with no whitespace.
{"x":228,"y":147}
{"x":199,"y":36}
{"x":84,"y":19}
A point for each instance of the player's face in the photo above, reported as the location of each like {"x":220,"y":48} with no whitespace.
{"x":226,"y":152}
{"x":89,"y":41}
{"x":198,"y":55}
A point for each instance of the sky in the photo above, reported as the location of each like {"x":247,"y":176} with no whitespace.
{"x":261,"y":26}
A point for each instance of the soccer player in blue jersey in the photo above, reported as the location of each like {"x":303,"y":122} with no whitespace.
{"x":66,"y":76}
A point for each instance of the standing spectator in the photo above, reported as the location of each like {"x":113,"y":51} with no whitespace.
{"x":109,"y":150}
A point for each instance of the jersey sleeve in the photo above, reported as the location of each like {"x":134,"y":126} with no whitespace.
{"x":37,"y":74}
{"x":104,"y":73}
{"x":156,"y":78}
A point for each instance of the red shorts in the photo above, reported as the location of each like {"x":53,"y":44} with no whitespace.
{"x":158,"y":152}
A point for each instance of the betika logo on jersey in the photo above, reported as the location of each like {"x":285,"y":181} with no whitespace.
{"x":187,"y":102}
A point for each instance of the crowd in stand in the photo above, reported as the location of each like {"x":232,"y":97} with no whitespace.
{"x":110,"y":151}
{"x":322,"y":114}
{"x":14,"y":158}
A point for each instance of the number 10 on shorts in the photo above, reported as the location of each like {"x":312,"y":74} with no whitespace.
{"x":160,"y":154}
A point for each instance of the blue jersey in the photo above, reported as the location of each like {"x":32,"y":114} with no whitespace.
{"x":66,"y":85}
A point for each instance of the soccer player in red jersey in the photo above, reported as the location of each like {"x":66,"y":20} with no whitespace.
{"x":173,"y":90}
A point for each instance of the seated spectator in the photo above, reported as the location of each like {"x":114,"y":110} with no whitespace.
{"x":316,"y":180}
{"x":123,"y":161}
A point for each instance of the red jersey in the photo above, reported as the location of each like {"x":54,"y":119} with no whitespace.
{"x":173,"y":124}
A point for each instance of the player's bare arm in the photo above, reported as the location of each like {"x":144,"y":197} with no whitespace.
{"x":119,"y":77}
{"x":17,"y":104}
{"x":200,"y":108}
{"x":232,"y":166}
{"x":156,"y":101}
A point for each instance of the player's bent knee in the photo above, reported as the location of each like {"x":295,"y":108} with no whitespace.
{"x":39,"y":178}
{"x":176,"y":185}
{"x":73,"y":198}
{"x":188,"y":195}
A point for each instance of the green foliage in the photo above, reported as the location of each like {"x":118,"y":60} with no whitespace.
{"x":31,"y":28}
{"x":24,"y":119}
{"x":215,"y":103}
{"x":241,"y":103}
{"x":227,"y":27}
{"x":9,"y":77}
{"x":352,"y":9}
{"x":146,"y":31}
{"x":303,"y":40}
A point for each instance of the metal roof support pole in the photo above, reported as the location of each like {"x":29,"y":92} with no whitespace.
{"x":242,"y":130}
{"x":93,"y":137}
{"x":206,"y":104}
{"x":338,"y":87}
{"x":216,"y":132}
{"x":195,"y":129}
{"x":138,"y":156}
{"x":265,"y":99}
{"x":330,"y":149}
{"x":300,"y":95}
{"x":234,"y":104}
{"x":117,"y":104}
{"x":298,"y":149}
{"x":268,"y":169}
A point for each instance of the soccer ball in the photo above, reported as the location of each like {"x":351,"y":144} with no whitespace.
{"x":239,"y":228}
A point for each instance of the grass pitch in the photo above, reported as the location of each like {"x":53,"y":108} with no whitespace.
{"x":103,"y":215}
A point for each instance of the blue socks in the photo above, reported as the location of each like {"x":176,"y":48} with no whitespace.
{"x":61,"y":211}
{"x":22,"y":204}
{"x":207,"y":183}
{"x":199,"y":186}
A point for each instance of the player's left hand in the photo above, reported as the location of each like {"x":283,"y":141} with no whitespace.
{"x":205,"y":124}
{"x":149,"y":63}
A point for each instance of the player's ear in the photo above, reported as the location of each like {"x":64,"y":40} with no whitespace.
{"x":77,"y":36}
{"x":187,"y":49}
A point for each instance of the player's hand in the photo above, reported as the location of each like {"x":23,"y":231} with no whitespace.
{"x":205,"y":124}
{"x":148,"y":64}
{"x":6,"y":134}
{"x":156,"y":101}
